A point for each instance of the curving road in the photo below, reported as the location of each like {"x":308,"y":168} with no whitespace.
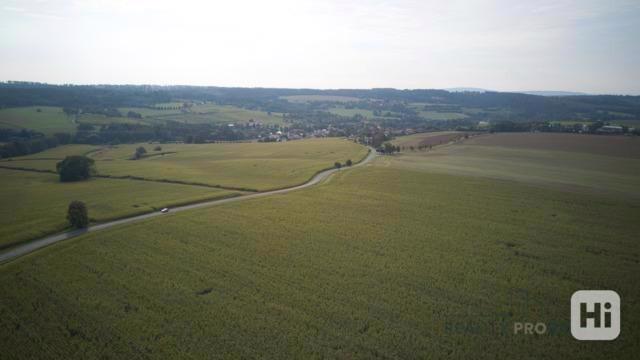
{"x":48,"y":240}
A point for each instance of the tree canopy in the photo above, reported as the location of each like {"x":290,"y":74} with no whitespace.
{"x":75,"y":168}
{"x":139,"y":152}
{"x":78,"y":215}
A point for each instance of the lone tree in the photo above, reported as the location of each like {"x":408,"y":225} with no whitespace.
{"x":389,"y":148}
{"x":349,"y":162}
{"x":75,"y":168}
{"x":337,"y":165}
{"x":78,"y":215}
{"x":139,"y":152}
{"x":157,"y":148}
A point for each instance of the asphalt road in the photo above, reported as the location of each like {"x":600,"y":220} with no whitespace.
{"x":48,"y":240}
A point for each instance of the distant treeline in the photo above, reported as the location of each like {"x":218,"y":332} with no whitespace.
{"x":108,"y":111}
{"x":591,"y":128}
{"x":394,"y":112}
{"x":79,"y":96}
{"x":25,"y":142}
{"x":118,"y":133}
{"x":521,"y":107}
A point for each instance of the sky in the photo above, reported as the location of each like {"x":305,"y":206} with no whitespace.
{"x":504,"y":45}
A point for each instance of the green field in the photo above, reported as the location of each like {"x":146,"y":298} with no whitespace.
{"x":352,"y":112}
{"x":49,"y":120}
{"x":428,"y":115}
{"x":312,"y":98}
{"x":378,"y":262}
{"x":58,"y":152}
{"x":254,"y":166}
{"x":431,"y":112}
{"x":214,"y":113}
{"x":150,"y":112}
{"x":437,"y":115}
{"x":99,"y":120}
{"x":432,"y":254}
{"x":172,"y":104}
{"x":635,"y":123}
{"x":35,"y":204}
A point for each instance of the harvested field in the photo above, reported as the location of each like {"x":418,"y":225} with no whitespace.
{"x":428,"y":139}
{"x":622,"y":146}
{"x":581,"y":170}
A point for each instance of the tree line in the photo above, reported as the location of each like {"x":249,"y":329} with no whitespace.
{"x":521,"y":107}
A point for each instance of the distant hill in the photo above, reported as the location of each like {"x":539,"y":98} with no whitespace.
{"x":467,"y":89}
{"x":553,"y":93}
{"x":469,"y":104}
{"x":537,"y":93}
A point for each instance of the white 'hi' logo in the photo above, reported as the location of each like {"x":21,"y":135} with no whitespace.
{"x":595,"y":315}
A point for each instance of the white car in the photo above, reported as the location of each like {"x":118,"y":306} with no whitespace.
{"x":165,"y":210}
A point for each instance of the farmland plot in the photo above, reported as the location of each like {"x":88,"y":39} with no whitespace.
{"x":250,"y":166}
{"x":582,"y":163}
{"x":35,"y":204}
{"x":378,"y":262}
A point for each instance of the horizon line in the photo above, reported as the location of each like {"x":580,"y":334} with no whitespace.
{"x":449,"y":89}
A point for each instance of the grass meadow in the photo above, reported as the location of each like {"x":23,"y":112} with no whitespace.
{"x":57,"y":153}
{"x":150,"y":112}
{"x":211,"y":113}
{"x":379,"y":262}
{"x":251,"y":166}
{"x":49,"y":120}
{"x":98,"y":120}
{"x":312,"y":98}
{"x":438,"y":115}
{"x":35,"y":204}
{"x":352,"y":112}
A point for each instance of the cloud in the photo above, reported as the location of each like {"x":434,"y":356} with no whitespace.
{"x":500,"y":44}
{"x":13,"y":9}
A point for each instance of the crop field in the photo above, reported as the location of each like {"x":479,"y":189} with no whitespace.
{"x":35,"y":204}
{"x":213,"y":113}
{"x":172,"y":104}
{"x":352,"y":112}
{"x":571,"y":122}
{"x":428,"y":139}
{"x":49,"y":120}
{"x":99,"y":120}
{"x":627,"y":122}
{"x":47,"y":160}
{"x":378,"y":262}
{"x":60,"y":152}
{"x":431,"y":112}
{"x":250,"y":166}
{"x":619,"y":146}
{"x":606,"y":164}
{"x":437,"y":115}
{"x":311,"y":98}
{"x":150,"y":112}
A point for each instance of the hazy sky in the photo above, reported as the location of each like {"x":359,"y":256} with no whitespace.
{"x":590,"y":46}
